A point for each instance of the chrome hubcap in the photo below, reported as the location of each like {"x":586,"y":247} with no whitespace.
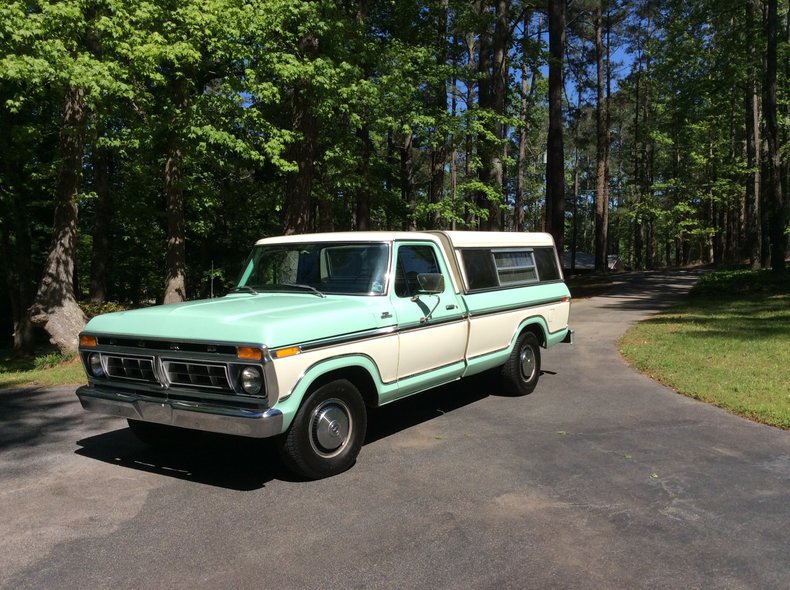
{"x":527,"y":363}
{"x":330,"y":427}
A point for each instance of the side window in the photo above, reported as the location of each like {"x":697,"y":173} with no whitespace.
{"x":487,"y":268}
{"x":546,"y":261}
{"x":480,"y":270}
{"x":515,"y":266}
{"x":413,"y":260}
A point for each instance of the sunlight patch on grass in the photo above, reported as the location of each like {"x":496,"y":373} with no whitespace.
{"x":728,"y":345}
{"x":44,"y":370}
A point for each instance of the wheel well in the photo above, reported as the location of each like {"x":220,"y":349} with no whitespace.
{"x":537,"y":330}
{"x":356,"y":375}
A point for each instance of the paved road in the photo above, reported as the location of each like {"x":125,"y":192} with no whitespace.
{"x":599,"y":479}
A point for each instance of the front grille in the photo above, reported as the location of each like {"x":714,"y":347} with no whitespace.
{"x":197,"y":374}
{"x":131,"y":367}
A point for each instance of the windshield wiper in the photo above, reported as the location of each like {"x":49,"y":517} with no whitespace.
{"x":244,"y":289}
{"x":305,"y":287}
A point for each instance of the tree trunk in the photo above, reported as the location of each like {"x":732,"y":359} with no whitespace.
{"x":408,"y":194}
{"x":555,"y":154}
{"x":439,"y":148}
{"x":498,"y":104}
{"x":299,"y":186}
{"x":523,"y":132}
{"x":469,"y":139}
{"x":774,"y":187}
{"x":753,"y":224}
{"x":101,"y":229}
{"x":16,"y":244}
{"x":362,"y":213}
{"x":176,"y":258}
{"x":752,"y":205}
{"x":602,"y":137}
{"x":55,"y":306}
{"x":484,"y":147}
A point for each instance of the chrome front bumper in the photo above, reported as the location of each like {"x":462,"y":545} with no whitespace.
{"x":185,"y":414}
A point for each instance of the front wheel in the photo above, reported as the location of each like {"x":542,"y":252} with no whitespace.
{"x":327,"y":432}
{"x":521,"y":372}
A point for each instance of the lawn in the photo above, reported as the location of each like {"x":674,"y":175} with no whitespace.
{"x":43,"y":370}
{"x":728,"y":344}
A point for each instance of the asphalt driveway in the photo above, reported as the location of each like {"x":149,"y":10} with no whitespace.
{"x":599,"y":479}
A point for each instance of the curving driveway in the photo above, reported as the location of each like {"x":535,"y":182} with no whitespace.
{"x":600,"y":479}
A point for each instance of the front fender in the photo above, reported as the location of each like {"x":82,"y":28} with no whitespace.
{"x":290,"y":405}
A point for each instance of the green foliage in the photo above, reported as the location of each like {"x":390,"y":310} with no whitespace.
{"x":739,"y":283}
{"x":50,"y":360}
{"x":396,"y":91}
{"x":94,"y":309}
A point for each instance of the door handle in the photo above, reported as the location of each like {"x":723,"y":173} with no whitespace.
{"x":450,"y":306}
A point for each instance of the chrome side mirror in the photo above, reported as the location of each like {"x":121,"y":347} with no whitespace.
{"x":430,"y":283}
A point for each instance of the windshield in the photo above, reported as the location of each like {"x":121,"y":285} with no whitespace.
{"x":340,"y":268}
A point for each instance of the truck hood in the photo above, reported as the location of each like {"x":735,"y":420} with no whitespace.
{"x":269,"y":319}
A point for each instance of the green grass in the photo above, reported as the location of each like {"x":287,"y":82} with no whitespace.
{"x":728,"y":344}
{"x":44,"y":370}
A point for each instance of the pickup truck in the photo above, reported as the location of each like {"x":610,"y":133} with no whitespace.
{"x":319,"y":327}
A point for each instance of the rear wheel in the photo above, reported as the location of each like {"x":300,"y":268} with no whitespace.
{"x":521,"y":372}
{"x":327,"y":432}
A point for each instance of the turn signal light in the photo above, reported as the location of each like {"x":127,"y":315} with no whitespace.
{"x":249,"y":353}
{"x":284,"y":352}
{"x":89,"y":341}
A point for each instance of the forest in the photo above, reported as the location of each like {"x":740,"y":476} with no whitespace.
{"x":145,"y":145}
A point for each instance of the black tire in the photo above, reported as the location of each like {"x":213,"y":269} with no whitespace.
{"x":157,"y":435}
{"x":327,"y":432}
{"x":521,"y":372}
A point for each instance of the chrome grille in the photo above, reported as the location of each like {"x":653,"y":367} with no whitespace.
{"x":129,"y":367}
{"x":197,"y":374}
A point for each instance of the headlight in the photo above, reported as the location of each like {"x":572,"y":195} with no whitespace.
{"x":251,"y":380}
{"x":94,"y":362}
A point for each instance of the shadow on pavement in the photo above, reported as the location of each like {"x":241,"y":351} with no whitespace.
{"x":33,"y":416}
{"x":209,"y":459}
{"x":648,"y":291}
{"x":245,"y":464}
{"x":414,"y":410}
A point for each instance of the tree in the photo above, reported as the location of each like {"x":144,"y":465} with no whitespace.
{"x":602,"y":148}
{"x":555,"y":153}
{"x":774,"y":164}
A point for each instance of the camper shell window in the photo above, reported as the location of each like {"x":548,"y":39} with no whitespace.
{"x":492,"y":268}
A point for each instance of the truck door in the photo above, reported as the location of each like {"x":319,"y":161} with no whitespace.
{"x":432,"y":330}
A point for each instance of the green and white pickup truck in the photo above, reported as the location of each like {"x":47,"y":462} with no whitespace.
{"x":321,"y":326}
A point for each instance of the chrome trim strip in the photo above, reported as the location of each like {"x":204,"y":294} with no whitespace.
{"x":165,"y":341}
{"x":439,"y":368}
{"x":343,"y":339}
{"x":434,"y":323}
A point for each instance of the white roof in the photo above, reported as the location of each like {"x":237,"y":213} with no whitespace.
{"x":459,"y":239}
{"x":498,"y":239}
{"x":348,"y":236}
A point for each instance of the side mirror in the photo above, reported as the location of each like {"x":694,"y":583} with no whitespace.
{"x":430,"y":283}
